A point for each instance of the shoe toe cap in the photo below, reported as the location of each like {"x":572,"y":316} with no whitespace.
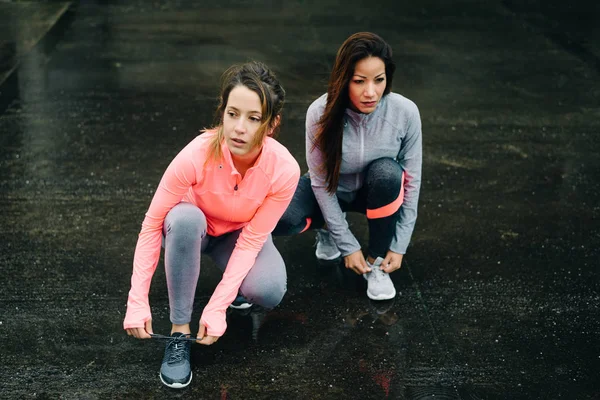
{"x":176,"y":373}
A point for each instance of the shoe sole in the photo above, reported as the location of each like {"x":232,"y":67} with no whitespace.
{"x":381,"y":296}
{"x":175,"y":385}
{"x":242,"y":306}
{"x":328,"y":258}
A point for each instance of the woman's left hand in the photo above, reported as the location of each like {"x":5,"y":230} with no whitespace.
{"x":392,"y":261}
{"x":205,"y":339}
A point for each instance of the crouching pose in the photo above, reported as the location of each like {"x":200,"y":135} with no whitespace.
{"x":363,"y":150}
{"x":222,"y":195}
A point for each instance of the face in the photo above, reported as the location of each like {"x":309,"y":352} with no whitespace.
{"x":367,"y":84}
{"x":241,"y":121}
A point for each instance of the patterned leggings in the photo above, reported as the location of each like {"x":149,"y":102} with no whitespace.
{"x":379,"y":198}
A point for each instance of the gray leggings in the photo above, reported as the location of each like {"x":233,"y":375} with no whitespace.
{"x":185,"y":235}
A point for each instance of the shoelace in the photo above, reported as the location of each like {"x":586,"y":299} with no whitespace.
{"x":179,"y":338}
{"x":376,"y":273}
{"x":178,"y":349}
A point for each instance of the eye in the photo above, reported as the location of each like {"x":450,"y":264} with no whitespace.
{"x":358,"y":81}
{"x":231,"y":114}
{"x":379,"y":80}
{"x":255,"y":119}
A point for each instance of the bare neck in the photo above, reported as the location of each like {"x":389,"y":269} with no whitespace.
{"x":244,"y":163}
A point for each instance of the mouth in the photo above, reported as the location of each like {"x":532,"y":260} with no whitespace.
{"x":369,"y":103}
{"x":236,"y":143}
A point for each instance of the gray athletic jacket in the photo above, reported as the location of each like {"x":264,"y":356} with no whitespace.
{"x":392,"y":130}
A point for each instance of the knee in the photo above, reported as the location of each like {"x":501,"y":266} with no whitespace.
{"x":185,"y":220}
{"x":296,"y":218}
{"x":268,"y":293}
{"x":384,"y":173}
{"x":270,"y":297}
{"x":291,"y":223}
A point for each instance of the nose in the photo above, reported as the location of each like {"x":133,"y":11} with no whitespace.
{"x":369,"y":90}
{"x":239,"y":126}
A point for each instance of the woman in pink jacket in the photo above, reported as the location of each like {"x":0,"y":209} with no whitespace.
{"x":222,"y":195}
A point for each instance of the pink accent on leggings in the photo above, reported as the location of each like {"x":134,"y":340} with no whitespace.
{"x":308,"y":222}
{"x":388,"y":209}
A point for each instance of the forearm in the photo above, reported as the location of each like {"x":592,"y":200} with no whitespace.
{"x":213,"y":316}
{"x":144,"y":264}
{"x":336,"y":222}
{"x":410,"y":159}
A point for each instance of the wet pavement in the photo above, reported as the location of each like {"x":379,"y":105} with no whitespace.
{"x":498,"y":297}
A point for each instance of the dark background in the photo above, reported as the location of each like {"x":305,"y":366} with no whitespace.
{"x":498,"y":295}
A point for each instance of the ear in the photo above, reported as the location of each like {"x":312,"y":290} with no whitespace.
{"x":276,"y":122}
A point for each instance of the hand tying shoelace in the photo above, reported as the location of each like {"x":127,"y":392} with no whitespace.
{"x":158,"y":336}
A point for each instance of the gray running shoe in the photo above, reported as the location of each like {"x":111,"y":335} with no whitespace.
{"x":175,"y":371}
{"x":379,"y":283}
{"x":326,"y":248}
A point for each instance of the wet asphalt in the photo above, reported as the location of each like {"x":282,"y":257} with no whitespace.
{"x":498,"y":297}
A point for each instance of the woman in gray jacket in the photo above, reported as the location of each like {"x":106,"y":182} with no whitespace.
{"x":363,"y":150}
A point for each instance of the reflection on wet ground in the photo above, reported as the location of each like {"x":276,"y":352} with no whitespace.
{"x":497,"y":297}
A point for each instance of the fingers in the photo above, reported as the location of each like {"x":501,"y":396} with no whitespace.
{"x":201,"y":333}
{"x":352,"y":266}
{"x":391,"y":267}
{"x":208,"y":340}
{"x":387,"y":261}
{"x":357,"y":263}
{"x":394,"y":263}
{"x":205,"y":339}
{"x":362,"y":268}
{"x":148,"y":326}
{"x":138,"y":333}
{"x":141,"y":333}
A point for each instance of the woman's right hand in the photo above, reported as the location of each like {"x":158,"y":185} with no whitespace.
{"x":357,"y":263}
{"x":205,"y":339}
{"x":141,"y":333}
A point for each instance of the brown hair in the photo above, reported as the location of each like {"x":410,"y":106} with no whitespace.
{"x":257,"y":77}
{"x":331,"y":125}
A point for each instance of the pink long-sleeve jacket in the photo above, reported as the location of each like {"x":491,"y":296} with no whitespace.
{"x":254,"y":203}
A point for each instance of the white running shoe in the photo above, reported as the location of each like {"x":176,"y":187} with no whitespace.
{"x":379,"y":283}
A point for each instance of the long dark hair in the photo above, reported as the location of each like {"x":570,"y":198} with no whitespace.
{"x":257,"y":77}
{"x":330,"y":126}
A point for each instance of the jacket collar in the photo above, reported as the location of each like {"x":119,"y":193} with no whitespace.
{"x":229,"y":160}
